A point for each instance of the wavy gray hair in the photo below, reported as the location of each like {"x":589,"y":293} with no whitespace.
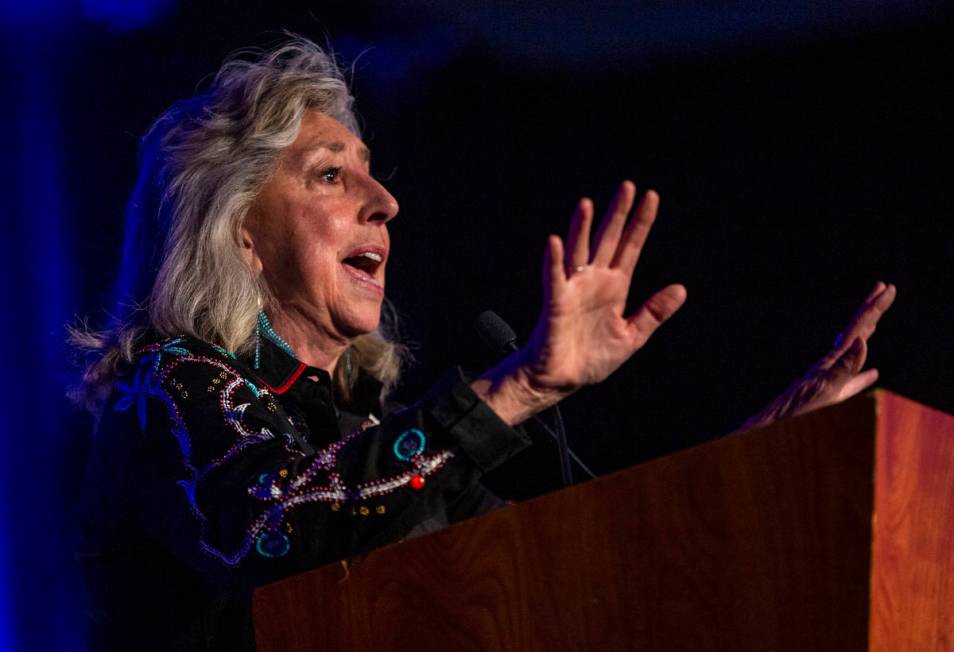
{"x":202,"y":163}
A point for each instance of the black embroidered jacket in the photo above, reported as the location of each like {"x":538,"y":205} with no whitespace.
{"x":208,"y":478}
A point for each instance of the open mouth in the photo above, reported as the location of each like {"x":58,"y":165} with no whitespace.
{"x":364,"y":264}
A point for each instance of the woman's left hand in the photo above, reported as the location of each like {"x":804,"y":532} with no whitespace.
{"x":582,"y":335}
{"x":838,"y":375}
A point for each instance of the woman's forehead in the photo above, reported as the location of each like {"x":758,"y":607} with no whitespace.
{"x":322,"y":132}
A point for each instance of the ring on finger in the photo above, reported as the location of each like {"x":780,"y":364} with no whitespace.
{"x":581,"y":268}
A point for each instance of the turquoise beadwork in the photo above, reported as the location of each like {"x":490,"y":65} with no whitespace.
{"x":409,"y":444}
{"x":265,"y":327}
{"x":273,"y":544}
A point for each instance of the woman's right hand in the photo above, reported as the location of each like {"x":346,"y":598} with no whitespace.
{"x":582,"y":335}
{"x":840,"y":373}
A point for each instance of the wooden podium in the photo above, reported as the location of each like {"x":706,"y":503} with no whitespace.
{"x":831,"y":531}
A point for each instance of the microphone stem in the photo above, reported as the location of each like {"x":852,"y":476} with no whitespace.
{"x":565,"y":469}
{"x":559,"y":434}
{"x":573,"y":456}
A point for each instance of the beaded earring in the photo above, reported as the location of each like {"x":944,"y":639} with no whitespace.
{"x":258,"y":341}
{"x":258,"y":335}
{"x":349,"y":367}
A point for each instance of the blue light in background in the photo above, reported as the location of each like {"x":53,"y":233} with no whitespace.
{"x":6,"y":606}
{"x":387,"y":64}
{"x":41,"y":594}
{"x":41,"y":581}
{"x":20,"y":12}
{"x":125,"y":15}
{"x":122,"y":15}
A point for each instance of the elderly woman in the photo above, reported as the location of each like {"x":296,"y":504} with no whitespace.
{"x":243,"y":433}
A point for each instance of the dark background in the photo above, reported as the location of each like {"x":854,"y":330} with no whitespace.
{"x":802,"y":153}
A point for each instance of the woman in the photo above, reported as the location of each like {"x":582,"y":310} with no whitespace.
{"x":242,"y":431}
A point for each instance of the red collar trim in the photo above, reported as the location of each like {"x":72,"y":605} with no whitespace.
{"x":288,"y":383}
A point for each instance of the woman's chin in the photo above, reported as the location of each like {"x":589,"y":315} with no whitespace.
{"x":361,"y":321}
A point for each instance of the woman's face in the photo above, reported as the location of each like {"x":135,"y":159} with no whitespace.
{"x":318,"y":231}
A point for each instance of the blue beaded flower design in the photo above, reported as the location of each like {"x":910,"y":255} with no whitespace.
{"x":143,"y":384}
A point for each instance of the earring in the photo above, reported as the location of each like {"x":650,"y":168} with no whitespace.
{"x":258,"y":341}
{"x":258,"y":334}
{"x":348,"y":367}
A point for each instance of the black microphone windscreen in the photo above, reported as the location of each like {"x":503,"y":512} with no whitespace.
{"x":495,"y":332}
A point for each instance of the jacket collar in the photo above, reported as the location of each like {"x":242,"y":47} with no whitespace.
{"x":280,"y":371}
{"x":283,"y":373}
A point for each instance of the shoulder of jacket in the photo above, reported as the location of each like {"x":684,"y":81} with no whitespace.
{"x":189,"y":356}
{"x":184,"y":345}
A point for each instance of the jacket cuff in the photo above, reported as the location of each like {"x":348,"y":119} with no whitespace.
{"x":482,"y":435}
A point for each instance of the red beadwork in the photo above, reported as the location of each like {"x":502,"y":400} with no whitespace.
{"x":417,"y":482}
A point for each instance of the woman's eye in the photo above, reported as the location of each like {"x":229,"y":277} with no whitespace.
{"x":330,"y":175}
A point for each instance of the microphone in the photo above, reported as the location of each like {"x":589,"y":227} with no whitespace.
{"x":495,"y":332}
{"x":500,"y":337}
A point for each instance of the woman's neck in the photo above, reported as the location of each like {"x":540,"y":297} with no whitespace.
{"x":311,"y":343}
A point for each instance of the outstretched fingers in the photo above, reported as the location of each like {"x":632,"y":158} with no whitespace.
{"x":554,"y":276}
{"x":654,"y":312}
{"x":865,"y":321}
{"x":631,"y":246}
{"x":578,"y":238}
{"x":879,"y":287}
{"x":607,"y":239}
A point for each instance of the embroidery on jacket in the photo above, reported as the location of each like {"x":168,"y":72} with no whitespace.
{"x":266,"y":533}
{"x":279,"y":493}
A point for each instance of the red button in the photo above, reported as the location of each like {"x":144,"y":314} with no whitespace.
{"x":417,"y":482}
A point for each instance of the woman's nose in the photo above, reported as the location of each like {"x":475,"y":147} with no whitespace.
{"x":381,"y":206}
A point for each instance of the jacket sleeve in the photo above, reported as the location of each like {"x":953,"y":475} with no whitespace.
{"x":221,"y":480}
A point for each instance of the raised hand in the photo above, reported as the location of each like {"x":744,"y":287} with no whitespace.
{"x":582,"y":335}
{"x":838,"y":375}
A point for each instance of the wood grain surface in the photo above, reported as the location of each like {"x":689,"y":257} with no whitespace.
{"x":757,"y":541}
{"x":913,"y":558}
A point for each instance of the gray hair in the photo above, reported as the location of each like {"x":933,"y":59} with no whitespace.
{"x":202,"y":163}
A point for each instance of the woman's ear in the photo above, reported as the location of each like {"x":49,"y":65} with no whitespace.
{"x":247,"y":250}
